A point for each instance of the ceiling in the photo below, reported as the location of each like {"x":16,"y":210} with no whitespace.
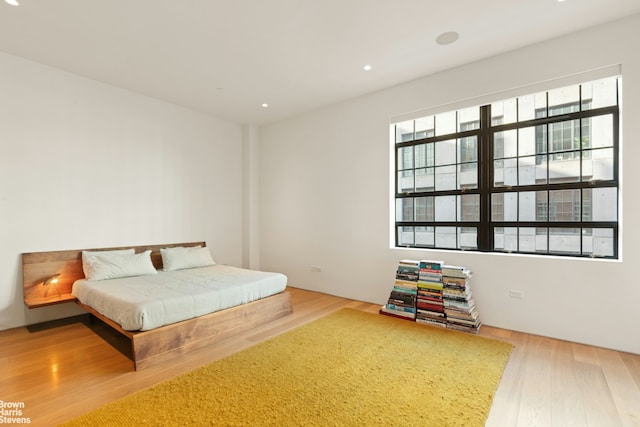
{"x":228,"y":57}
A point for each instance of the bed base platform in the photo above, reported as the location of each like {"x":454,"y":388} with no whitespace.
{"x":158,"y":345}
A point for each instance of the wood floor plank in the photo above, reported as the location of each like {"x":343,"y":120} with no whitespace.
{"x":598,"y":403}
{"x":585,"y":353}
{"x":565,"y":412}
{"x":535,"y":401}
{"x":624,"y":390}
{"x":65,"y":371}
{"x":506,"y":402}
{"x":632,"y":362}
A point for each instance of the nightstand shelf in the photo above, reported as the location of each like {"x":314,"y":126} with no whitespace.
{"x":46,"y":280}
{"x":51,"y":300}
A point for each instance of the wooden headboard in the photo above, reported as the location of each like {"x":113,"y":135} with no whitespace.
{"x":39,"y":266}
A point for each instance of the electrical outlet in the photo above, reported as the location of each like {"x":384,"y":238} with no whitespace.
{"x":315,"y":268}
{"x":513,"y":293}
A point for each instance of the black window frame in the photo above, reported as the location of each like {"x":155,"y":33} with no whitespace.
{"x":485,"y":226}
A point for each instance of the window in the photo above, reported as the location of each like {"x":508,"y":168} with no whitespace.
{"x":534,"y":174}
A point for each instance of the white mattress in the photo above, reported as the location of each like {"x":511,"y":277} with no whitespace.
{"x":148,"y":302}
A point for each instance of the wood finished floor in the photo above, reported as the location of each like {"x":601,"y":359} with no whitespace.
{"x":70,"y":369}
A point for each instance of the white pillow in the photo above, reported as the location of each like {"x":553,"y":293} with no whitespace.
{"x":179,"y":258}
{"x":115,"y":266}
{"x":88,"y":256}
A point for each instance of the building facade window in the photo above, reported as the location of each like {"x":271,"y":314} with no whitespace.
{"x":534,"y":174}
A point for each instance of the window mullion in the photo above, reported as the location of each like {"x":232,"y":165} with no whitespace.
{"x":485,"y":171}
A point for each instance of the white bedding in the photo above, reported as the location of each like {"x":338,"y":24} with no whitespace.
{"x":148,"y":302}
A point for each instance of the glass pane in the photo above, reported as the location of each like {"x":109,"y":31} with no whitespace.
{"x":542,"y":206}
{"x":504,"y":112}
{"x":445,"y":152}
{"x":445,"y":178}
{"x":505,"y":173}
{"x":527,"y":141}
{"x":564,"y":167}
{"x":497,"y":207}
{"x":598,"y":131}
{"x":600,"y":93}
{"x":498,"y":145}
{"x":542,"y":240}
{"x":600,"y":204}
{"x":498,"y":238}
{"x":597,"y":165}
{"x":431,"y":154}
{"x":468,"y":175}
{"x":527,"y":207}
{"x":424,"y":179}
{"x":541,"y":139}
{"x":532,"y":106}
{"x":583,"y":141}
{"x":526,"y":239}
{"x":445,"y":208}
{"x":446,"y":237}
{"x":598,"y":241}
{"x":405,"y":158}
{"x":564,"y":205}
{"x":527,"y":170}
{"x":424,"y":127}
{"x":541,"y":169}
{"x":564,"y":136}
{"x":564,"y":240}
{"x":424,"y":209}
{"x":504,"y":206}
{"x":420,"y":153}
{"x":469,"y":207}
{"x":404,"y":209}
{"x":404,"y":131}
{"x":405,"y":236}
{"x":468,"y":119}
{"x":510,"y":206}
{"x":405,"y":181}
{"x":505,"y":238}
{"x":468,"y":149}
{"x":445,"y":123}
{"x":505,"y":144}
{"x":467,"y":238}
{"x":564,"y":100}
{"x":425,"y":236}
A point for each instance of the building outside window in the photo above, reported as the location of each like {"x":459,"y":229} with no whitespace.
{"x":533,"y":174}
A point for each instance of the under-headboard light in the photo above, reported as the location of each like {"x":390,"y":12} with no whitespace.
{"x":53,"y":280}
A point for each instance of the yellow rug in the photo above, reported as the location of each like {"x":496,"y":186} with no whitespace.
{"x":349,"y":368}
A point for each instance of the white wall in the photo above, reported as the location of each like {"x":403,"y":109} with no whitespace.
{"x":85,"y":165}
{"x":325,"y":190}
{"x":251,"y":199}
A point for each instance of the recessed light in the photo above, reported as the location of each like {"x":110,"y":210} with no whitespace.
{"x":367,"y":67}
{"x":12,"y":2}
{"x":265,"y":105}
{"x":447,"y":38}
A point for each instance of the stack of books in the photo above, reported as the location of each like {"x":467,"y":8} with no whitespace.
{"x":459,"y":306}
{"x":402,"y":300}
{"x":429,"y":301}
{"x":433,"y":293}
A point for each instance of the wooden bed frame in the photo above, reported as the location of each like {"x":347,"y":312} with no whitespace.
{"x":156,"y":345}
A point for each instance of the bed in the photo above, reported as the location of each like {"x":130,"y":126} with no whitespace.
{"x":162,"y":313}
